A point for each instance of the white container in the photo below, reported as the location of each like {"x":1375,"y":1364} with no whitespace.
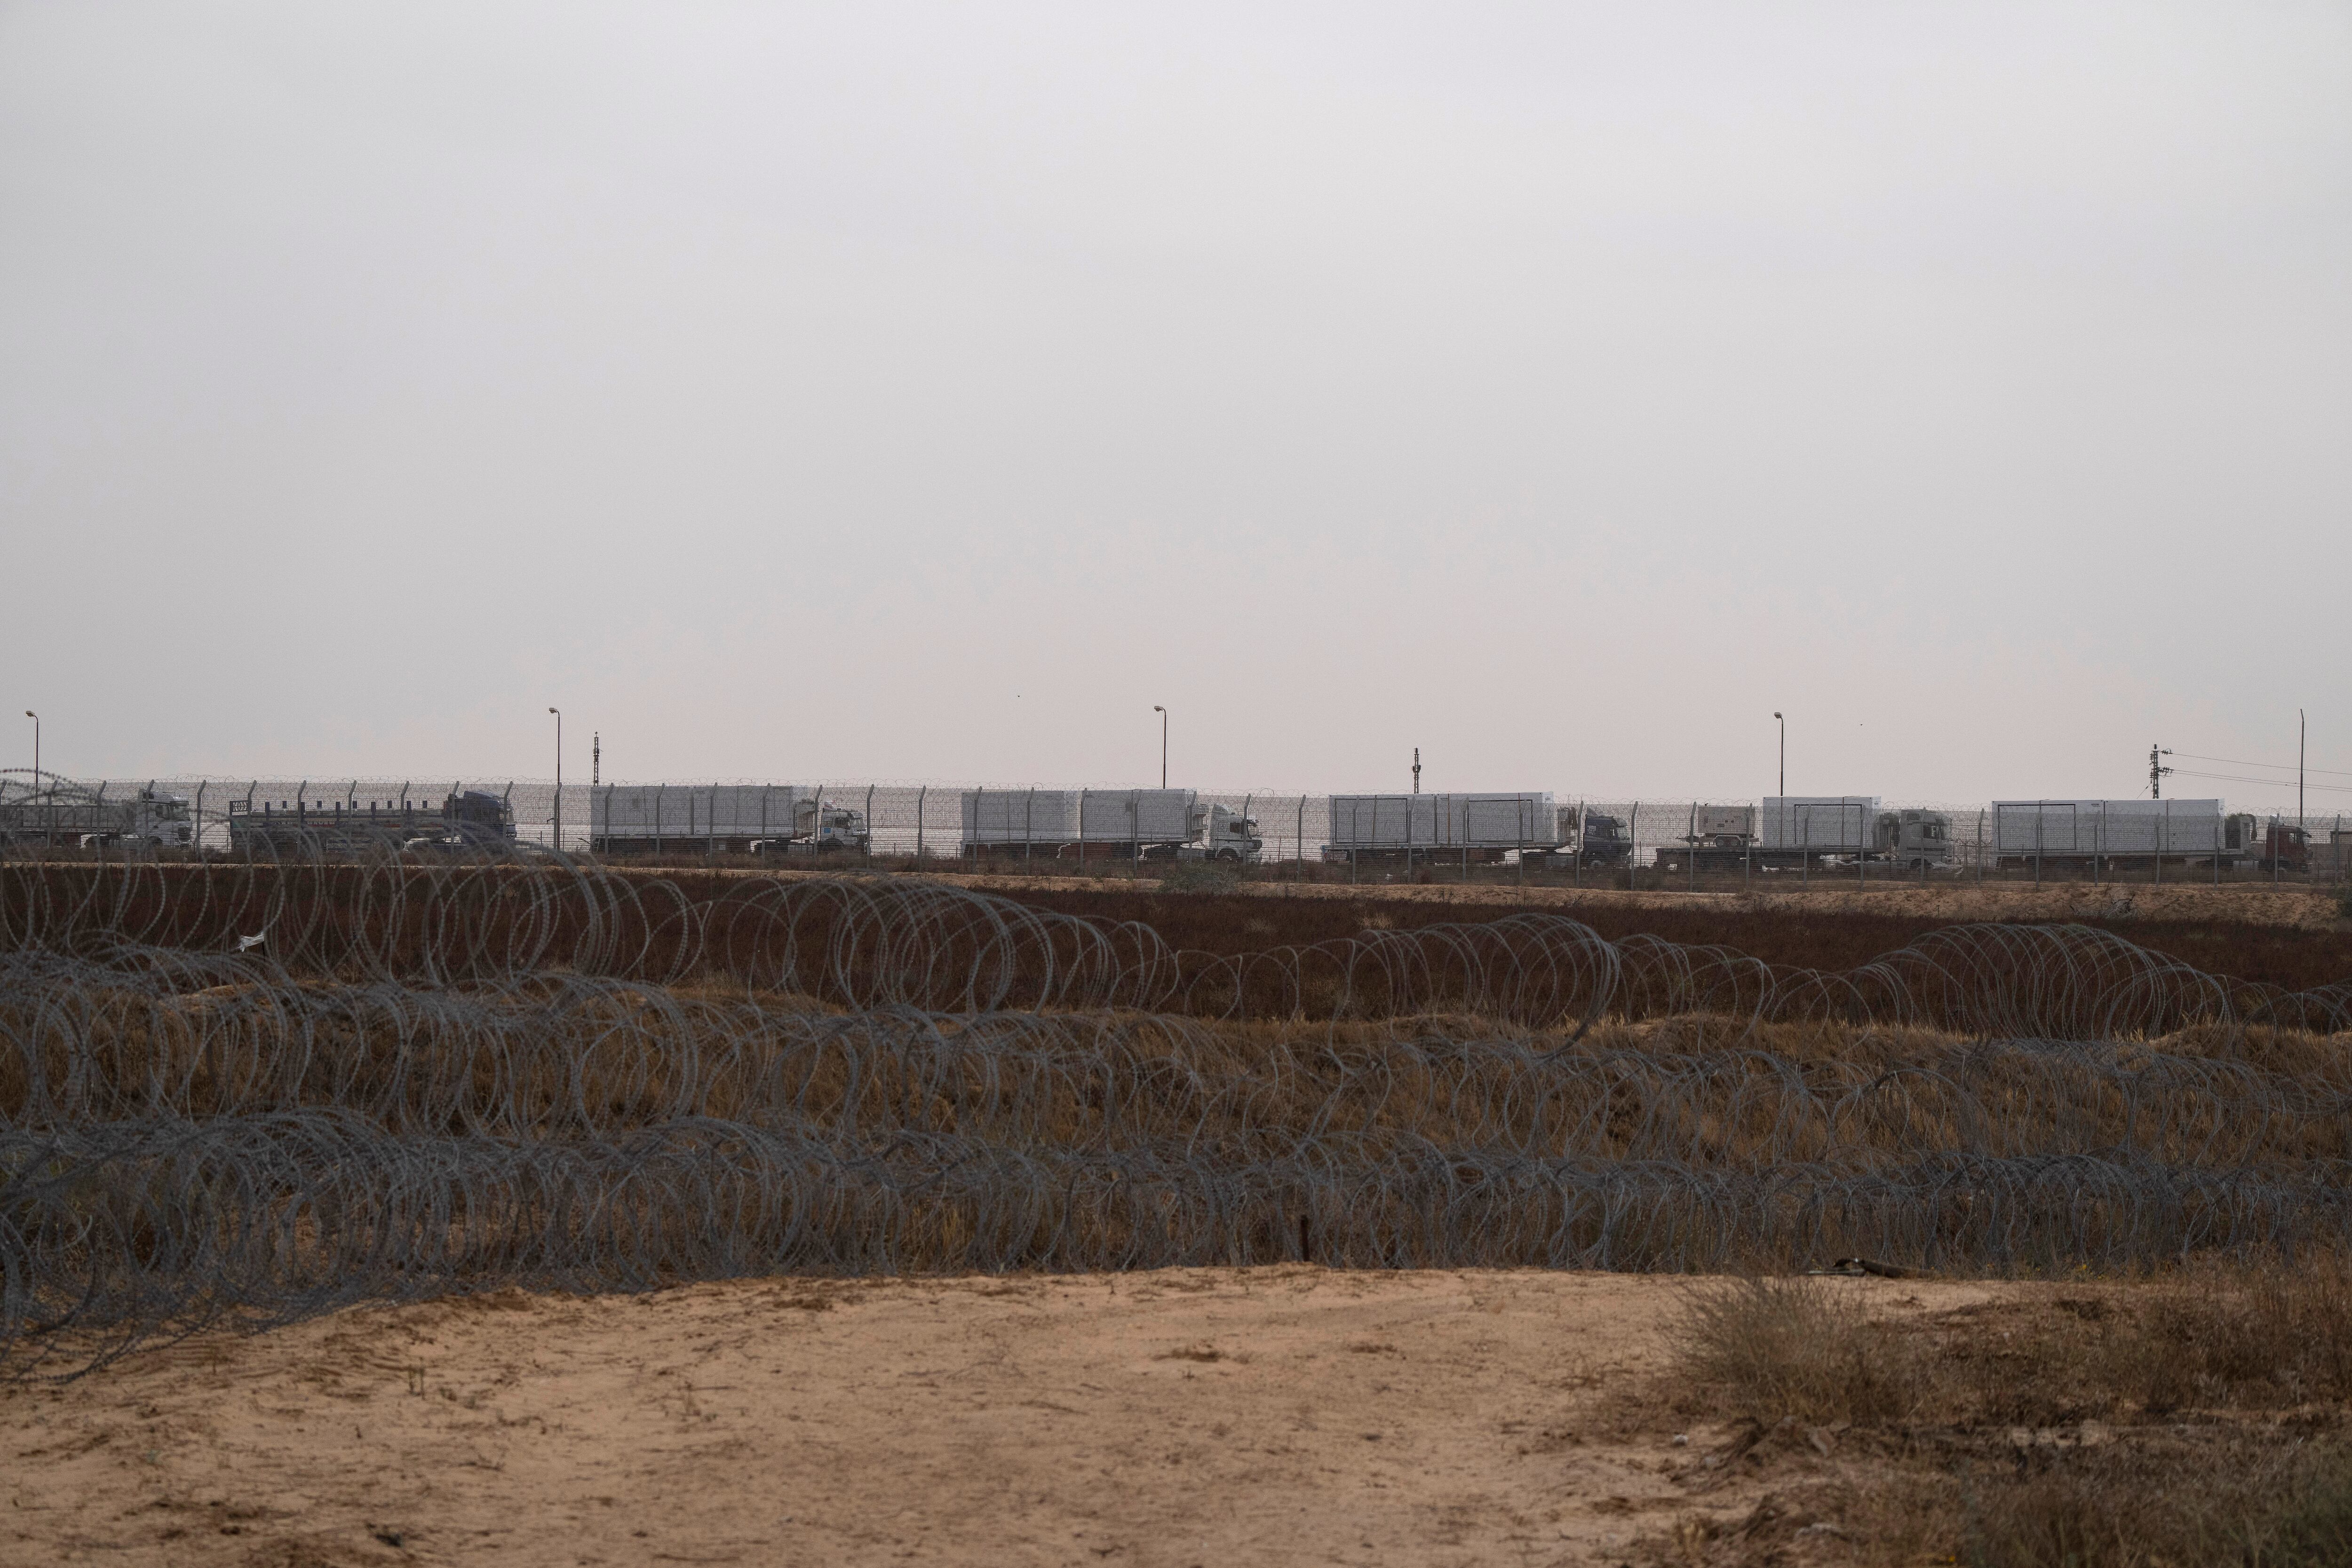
{"x":1498,"y":821}
{"x":2079,"y":828}
{"x":699,"y":810}
{"x":1822,"y":824}
{"x":1081,"y":816}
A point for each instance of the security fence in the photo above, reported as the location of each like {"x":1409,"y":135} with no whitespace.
{"x":1532,"y":839}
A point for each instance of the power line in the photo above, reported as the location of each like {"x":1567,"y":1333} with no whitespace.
{"x":2241,"y":762}
{"x":2242,"y":778}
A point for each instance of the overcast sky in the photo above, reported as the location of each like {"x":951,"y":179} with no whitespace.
{"x":907,"y":393}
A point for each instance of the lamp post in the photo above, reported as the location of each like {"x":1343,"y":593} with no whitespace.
{"x":559,"y":779}
{"x":1784,"y":756}
{"x":1163,"y":743}
{"x":49,"y":818}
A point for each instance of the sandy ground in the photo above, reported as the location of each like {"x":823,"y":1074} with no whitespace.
{"x":1284,"y":1415}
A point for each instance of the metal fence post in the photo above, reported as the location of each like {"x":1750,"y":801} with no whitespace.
{"x":1299,"y":843}
{"x":1028,"y":828}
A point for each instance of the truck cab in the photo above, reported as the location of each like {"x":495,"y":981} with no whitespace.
{"x":1914,"y":838}
{"x":160,"y":820}
{"x":1230,"y":837}
{"x":823,"y":828}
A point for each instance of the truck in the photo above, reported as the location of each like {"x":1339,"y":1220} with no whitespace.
{"x":1452,"y":826}
{"x":2248,"y":841}
{"x":1078,"y":824}
{"x":466,"y":819}
{"x":722,"y":818}
{"x":48,"y":810}
{"x":1583,"y":837}
{"x":2095,"y":833}
{"x":1798,"y":832}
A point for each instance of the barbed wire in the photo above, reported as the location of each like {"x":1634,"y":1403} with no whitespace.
{"x":502,"y":1069}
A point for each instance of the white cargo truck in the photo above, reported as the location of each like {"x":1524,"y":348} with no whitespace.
{"x":1453,"y":827}
{"x":1795,"y":831}
{"x":1076,"y":825}
{"x":721,"y":819}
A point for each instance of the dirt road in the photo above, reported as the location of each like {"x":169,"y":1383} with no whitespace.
{"x":1288,"y":1414}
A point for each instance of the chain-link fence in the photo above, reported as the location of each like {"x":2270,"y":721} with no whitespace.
{"x":1530,"y":838}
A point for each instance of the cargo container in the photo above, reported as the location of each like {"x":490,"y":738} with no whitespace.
{"x":1473,"y":827}
{"x":1818,"y":824}
{"x":1076,"y":823}
{"x":721,"y":819}
{"x":2024,"y":832}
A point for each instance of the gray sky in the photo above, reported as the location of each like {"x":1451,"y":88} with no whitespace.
{"x":796,"y":392}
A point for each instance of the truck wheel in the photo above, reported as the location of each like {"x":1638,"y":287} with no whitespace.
{"x":1228,"y":855}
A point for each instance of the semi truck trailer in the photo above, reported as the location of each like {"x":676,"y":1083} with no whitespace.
{"x":1152,"y":824}
{"x":1473,"y":827}
{"x":48,"y":810}
{"x":302,"y":824}
{"x":2141,"y":832}
{"x":727,"y":819}
{"x":1794,"y":831}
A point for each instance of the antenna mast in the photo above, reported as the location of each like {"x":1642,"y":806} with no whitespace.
{"x":1416,"y":770}
{"x":2157,"y":770}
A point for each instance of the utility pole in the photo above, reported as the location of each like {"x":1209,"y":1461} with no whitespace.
{"x":555,"y":821}
{"x":595,"y":758}
{"x":1163,"y":743}
{"x":2157,"y":770}
{"x":1784,"y":756}
{"x":2300,"y":735}
{"x":37,"y":748}
{"x":1416,"y":770}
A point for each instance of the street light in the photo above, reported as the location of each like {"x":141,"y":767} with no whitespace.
{"x":1784,"y":756}
{"x":559,"y":778}
{"x":1163,"y":743}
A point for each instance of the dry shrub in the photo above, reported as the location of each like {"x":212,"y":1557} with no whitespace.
{"x":1799,"y":1347}
{"x":2195,"y":1417}
{"x":2249,"y":1502}
{"x":2218,"y":1335}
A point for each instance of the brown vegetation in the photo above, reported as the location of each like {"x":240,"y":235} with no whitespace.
{"x":2198,"y":1416}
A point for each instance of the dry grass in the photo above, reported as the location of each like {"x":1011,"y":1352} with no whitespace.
{"x":2195,"y":1416}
